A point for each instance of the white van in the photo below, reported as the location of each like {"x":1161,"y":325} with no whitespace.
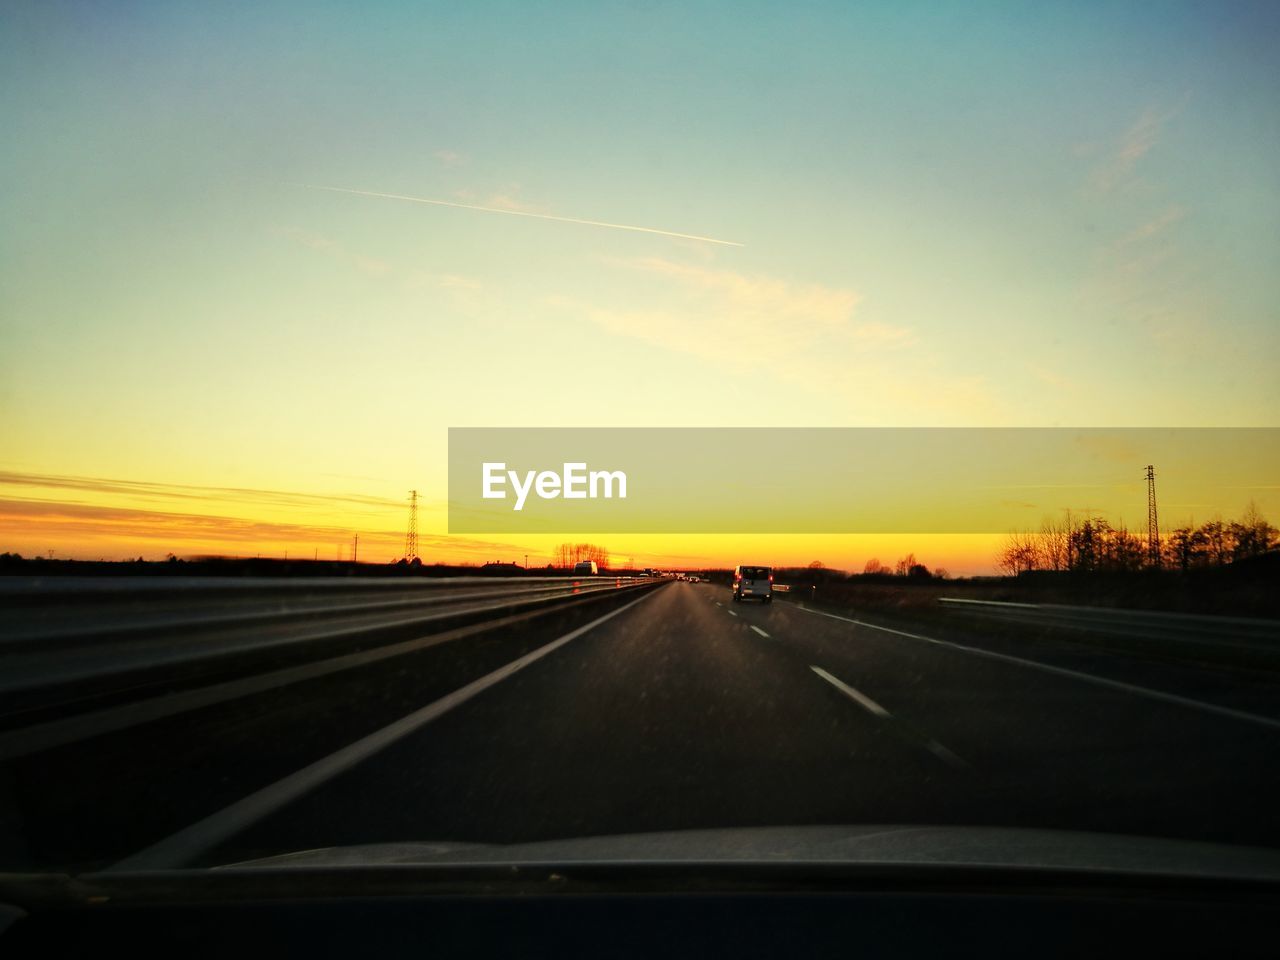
{"x":585,"y":568}
{"x":753,"y":582}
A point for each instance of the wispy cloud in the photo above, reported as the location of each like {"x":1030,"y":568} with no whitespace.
{"x":355,"y":476}
{"x":448,"y":158}
{"x":1139,"y":274}
{"x":806,"y":335}
{"x":453,"y":281}
{"x":309,"y":239}
{"x":1138,"y":140}
{"x":1110,"y":448}
{"x":758,"y":298}
{"x":371,"y":266}
{"x":508,"y":202}
{"x":413,"y":279}
{"x":1054,"y":378}
{"x":513,"y":212}
{"x":142,"y":489}
{"x":724,"y":314}
{"x":93,"y":530}
{"x":505,"y":199}
{"x":1156,"y":226}
{"x":1052,"y":486}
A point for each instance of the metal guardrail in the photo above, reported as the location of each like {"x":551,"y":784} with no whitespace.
{"x":1240,"y":632}
{"x":52,"y":613}
{"x":53,"y":708}
{"x":89,"y":639}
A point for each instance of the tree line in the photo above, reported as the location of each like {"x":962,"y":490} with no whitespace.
{"x":819,"y":572}
{"x":1093,"y":545}
{"x":907,"y":566}
{"x":568,"y":554}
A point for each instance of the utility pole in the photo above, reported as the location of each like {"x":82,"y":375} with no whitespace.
{"x":355,"y":549}
{"x":411,"y":535}
{"x":1153,"y":525}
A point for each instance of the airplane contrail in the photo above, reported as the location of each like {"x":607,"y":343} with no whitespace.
{"x":524,"y":213}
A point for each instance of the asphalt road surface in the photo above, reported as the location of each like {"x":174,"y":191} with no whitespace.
{"x":674,"y":708}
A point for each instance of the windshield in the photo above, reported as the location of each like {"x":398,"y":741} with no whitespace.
{"x":340,"y":341}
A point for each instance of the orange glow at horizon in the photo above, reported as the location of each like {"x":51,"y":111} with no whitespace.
{"x":91,"y":532}
{"x":91,"y":518}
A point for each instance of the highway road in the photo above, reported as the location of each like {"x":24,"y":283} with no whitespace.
{"x":650,"y":708}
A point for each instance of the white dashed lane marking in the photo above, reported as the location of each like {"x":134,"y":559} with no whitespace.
{"x":862,"y":700}
{"x":859,"y":698}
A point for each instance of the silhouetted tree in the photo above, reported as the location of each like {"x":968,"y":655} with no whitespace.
{"x":1179,"y":548}
{"x":568,"y":554}
{"x":1055,"y":544}
{"x":1216,"y":545}
{"x":1251,"y":535}
{"x":1020,"y":553}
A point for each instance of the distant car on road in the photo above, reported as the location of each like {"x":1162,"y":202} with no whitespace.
{"x":585,"y":568}
{"x":749,"y":581}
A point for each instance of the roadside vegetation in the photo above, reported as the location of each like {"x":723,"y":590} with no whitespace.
{"x":1093,"y":545}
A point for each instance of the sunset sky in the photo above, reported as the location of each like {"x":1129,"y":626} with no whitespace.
{"x":948,"y":215}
